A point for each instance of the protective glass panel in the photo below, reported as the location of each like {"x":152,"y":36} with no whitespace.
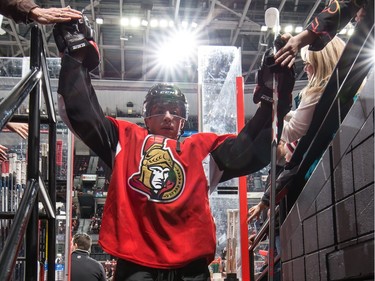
{"x":218,"y":69}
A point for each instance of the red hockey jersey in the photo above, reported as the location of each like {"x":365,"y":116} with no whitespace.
{"x":146,"y":219}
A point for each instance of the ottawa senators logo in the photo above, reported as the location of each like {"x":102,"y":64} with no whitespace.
{"x":160,"y":177}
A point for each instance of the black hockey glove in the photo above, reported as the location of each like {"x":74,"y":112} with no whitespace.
{"x":78,"y":35}
{"x":284,"y":78}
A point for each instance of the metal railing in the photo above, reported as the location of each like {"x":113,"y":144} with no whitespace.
{"x":26,"y":218}
{"x":334,"y":104}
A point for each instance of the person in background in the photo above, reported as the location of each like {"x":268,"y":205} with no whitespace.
{"x":322,"y":29}
{"x":20,"y":128}
{"x":27,"y":11}
{"x":319,"y":66}
{"x":83,"y":267}
{"x":157,"y":219}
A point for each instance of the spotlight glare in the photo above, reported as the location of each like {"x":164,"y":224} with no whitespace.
{"x":163,"y":23}
{"x":276,"y":29}
{"x":135,"y":22}
{"x":184,"y":24}
{"x":298,"y":29}
{"x":288,"y":28}
{"x":178,"y":50}
{"x":99,"y":20}
{"x":343,"y":31}
{"x":124,"y":21}
{"x":154,"y":23}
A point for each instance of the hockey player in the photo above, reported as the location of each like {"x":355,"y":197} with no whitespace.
{"x":157,"y":219}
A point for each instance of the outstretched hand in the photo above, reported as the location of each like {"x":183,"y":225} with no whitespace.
{"x":77,"y":39}
{"x":20,"y":128}
{"x":3,"y":153}
{"x":54,"y":15}
{"x":286,"y":56}
{"x":254,"y":212}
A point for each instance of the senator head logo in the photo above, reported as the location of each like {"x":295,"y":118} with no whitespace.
{"x":160,"y":177}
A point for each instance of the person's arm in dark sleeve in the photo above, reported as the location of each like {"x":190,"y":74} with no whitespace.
{"x":250,"y":150}
{"x":78,"y":102}
{"x":320,"y":31}
{"x":331,"y":20}
{"x":18,"y":10}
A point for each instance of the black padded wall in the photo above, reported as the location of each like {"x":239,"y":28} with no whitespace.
{"x":329,"y":233}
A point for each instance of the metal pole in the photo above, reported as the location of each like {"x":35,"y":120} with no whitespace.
{"x":69,"y":189}
{"x":272,"y":21}
{"x":32,"y":247}
{"x":51,"y":247}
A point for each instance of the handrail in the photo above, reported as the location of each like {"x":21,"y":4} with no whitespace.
{"x":46,"y":200}
{"x":352,"y":68}
{"x":46,"y":86}
{"x":263,"y":231}
{"x":26,"y":217}
{"x":18,"y":95}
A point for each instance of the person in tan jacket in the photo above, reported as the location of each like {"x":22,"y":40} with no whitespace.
{"x":27,"y":11}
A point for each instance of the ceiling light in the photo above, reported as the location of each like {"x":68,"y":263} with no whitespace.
{"x":171,"y":23}
{"x":144,"y":23}
{"x":179,"y":49}
{"x":350,"y":31}
{"x":184,"y":24}
{"x":154,"y":23}
{"x":263,"y":28}
{"x":194,"y":25}
{"x":288,"y":28}
{"x":163,"y":23}
{"x":124,"y":21}
{"x":2,"y":31}
{"x":298,"y":29}
{"x":99,"y":20}
{"x":135,"y":22}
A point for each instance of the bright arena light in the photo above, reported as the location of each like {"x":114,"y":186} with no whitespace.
{"x":135,"y":22}
{"x":163,"y":23}
{"x":288,"y":28}
{"x":124,"y":21}
{"x":154,"y":23}
{"x":180,"y":47}
{"x":298,"y":29}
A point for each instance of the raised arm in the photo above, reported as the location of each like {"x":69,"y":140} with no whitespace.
{"x":251,"y":149}
{"x":80,"y":110}
{"x":321,"y":30}
{"x":17,"y":10}
{"x":78,"y":104}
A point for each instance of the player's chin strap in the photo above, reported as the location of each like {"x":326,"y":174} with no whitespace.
{"x":180,"y":133}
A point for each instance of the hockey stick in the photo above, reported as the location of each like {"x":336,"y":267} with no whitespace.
{"x":272,"y":21}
